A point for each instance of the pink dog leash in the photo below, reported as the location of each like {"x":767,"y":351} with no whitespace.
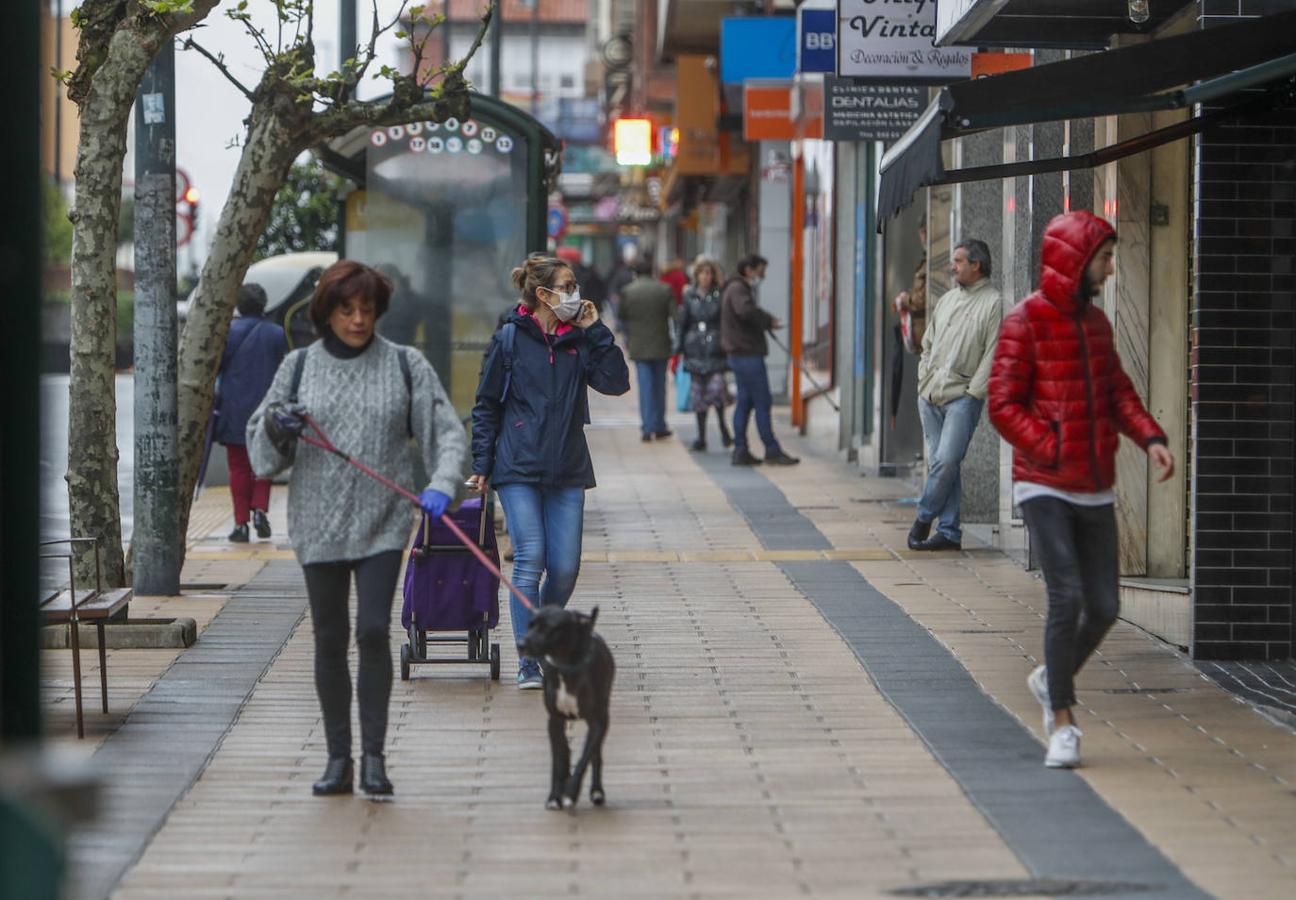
{"x":325,"y":444}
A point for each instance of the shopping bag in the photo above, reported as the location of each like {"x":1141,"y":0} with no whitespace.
{"x":683,"y":387}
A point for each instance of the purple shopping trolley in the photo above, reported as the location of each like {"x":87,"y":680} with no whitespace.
{"x":447,"y":590}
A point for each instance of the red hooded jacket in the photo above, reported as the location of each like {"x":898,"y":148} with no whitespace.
{"x":1058,"y":393}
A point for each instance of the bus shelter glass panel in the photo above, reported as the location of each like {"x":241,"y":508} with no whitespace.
{"x":443,"y":214}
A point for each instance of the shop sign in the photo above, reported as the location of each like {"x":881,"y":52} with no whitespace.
{"x":889,"y":40}
{"x":757,"y":47}
{"x":870,"y":112}
{"x":767,"y":115}
{"x":816,"y":40}
{"x":986,"y":64}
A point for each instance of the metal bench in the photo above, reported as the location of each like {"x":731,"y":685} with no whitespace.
{"x":73,"y":606}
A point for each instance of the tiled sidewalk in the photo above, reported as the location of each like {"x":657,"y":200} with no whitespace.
{"x":750,"y":752}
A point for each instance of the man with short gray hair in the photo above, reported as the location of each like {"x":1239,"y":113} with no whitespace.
{"x":953,"y":373}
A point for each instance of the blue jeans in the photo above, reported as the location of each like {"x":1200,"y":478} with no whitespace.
{"x":947,"y":431}
{"x":652,"y":394}
{"x":753,"y":396}
{"x":545,"y":525}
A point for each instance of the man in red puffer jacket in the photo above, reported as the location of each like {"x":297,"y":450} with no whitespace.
{"x":1058,"y":394}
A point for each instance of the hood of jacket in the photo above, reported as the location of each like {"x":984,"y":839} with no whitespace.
{"x":1070,"y":242}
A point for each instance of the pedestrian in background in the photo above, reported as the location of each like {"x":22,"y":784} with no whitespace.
{"x":742,"y":337}
{"x":953,"y":371}
{"x":698,"y":342}
{"x":528,"y":432}
{"x":370,"y":397}
{"x":1059,"y":395}
{"x":676,"y":278}
{"x":911,"y":311}
{"x":253,"y":351}
{"x":592,"y":287}
{"x":647,"y":307}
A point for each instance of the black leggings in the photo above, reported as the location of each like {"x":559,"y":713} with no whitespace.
{"x":720,"y":419}
{"x":328,"y":585}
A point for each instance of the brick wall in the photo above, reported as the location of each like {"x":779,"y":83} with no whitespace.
{"x":1242,"y":384}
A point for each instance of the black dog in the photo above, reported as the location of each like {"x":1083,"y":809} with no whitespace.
{"x":578,"y":671}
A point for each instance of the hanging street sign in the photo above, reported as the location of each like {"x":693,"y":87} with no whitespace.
{"x":870,"y":112}
{"x":896,"y":42}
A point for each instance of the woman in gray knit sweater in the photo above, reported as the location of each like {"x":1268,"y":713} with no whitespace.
{"x":370,"y":402}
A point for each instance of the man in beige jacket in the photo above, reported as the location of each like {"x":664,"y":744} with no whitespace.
{"x":953,"y":374}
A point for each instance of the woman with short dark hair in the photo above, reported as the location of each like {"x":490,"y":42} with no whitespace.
{"x":529,"y":431}
{"x":370,"y":397}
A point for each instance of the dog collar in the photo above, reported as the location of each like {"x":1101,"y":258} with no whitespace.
{"x":579,"y":665}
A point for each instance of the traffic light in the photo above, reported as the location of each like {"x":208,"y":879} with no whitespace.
{"x":632,"y":142}
{"x":191,"y":196}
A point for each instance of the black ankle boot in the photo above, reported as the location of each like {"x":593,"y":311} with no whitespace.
{"x":261,"y":523}
{"x":338,"y":778}
{"x":373,"y":775}
{"x":240,"y":534}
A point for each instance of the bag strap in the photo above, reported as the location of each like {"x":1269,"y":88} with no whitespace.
{"x":409,"y":389}
{"x":298,"y":368}
{"x":243,"y":340}
{"x":508,"y":334}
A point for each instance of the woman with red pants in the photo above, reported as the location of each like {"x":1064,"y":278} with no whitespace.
{"x":253,"y":351}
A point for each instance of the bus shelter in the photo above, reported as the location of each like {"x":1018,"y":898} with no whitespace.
{"x":447,"y":210}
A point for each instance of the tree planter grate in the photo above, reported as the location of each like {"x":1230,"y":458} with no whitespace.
{"x":1028,"y":887}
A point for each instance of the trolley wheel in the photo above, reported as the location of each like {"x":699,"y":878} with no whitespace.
{"x":405,"y":662}
{"x":495,"y":662}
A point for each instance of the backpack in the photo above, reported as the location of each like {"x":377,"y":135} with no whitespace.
{"x":405,"y":374}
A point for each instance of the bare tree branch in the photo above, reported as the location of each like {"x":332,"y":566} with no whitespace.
{"x":487,"y":15}
{"x":219,"y":63}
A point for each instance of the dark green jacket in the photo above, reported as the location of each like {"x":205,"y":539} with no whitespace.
{"x":647,"y":307}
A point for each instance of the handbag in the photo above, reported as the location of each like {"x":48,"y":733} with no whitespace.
{"x":683,"y":389}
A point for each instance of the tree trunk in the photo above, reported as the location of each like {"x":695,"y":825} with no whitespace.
{"x":116,"y":44}
{"x":92,"y":408}
{"x":277,"y":135}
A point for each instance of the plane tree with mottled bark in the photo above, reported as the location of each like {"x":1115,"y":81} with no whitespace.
{"x":116,"y":41}
{"x":292,"y":110}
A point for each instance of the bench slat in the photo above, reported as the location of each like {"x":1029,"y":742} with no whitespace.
{"x":89,"y":604}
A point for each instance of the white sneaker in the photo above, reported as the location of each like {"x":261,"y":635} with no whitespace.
{"x":1037,"y":681}
{"x":1064,"y":748}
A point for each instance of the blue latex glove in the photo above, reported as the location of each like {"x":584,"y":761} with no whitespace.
{"x":434,"y":502}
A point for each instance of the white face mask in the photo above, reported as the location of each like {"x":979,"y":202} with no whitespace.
{"x":568,"y":304}
{"x":755,"y":282}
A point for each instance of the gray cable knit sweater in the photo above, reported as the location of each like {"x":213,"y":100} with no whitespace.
{"x":335,"y":511}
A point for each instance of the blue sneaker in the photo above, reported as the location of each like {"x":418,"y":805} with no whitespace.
{"x":529,"y":677}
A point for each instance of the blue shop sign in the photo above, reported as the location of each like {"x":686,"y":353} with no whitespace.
{"x":757,"y":47}
{"x":817,"y":41}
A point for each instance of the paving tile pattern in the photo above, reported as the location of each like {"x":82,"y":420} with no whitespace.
{"x":148,"y":763}
{"x":749,"y":753}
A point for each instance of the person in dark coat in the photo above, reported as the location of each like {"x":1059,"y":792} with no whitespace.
{"x":742,"y":336}
{"x":528,"y":431}
{"x":253,"y":350}
{"x":699,"y":344}
{"x":647,"y":307}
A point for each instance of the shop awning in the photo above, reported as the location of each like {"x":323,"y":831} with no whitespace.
{"x":1045,"y":23}
{"x":1217,"y":62}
